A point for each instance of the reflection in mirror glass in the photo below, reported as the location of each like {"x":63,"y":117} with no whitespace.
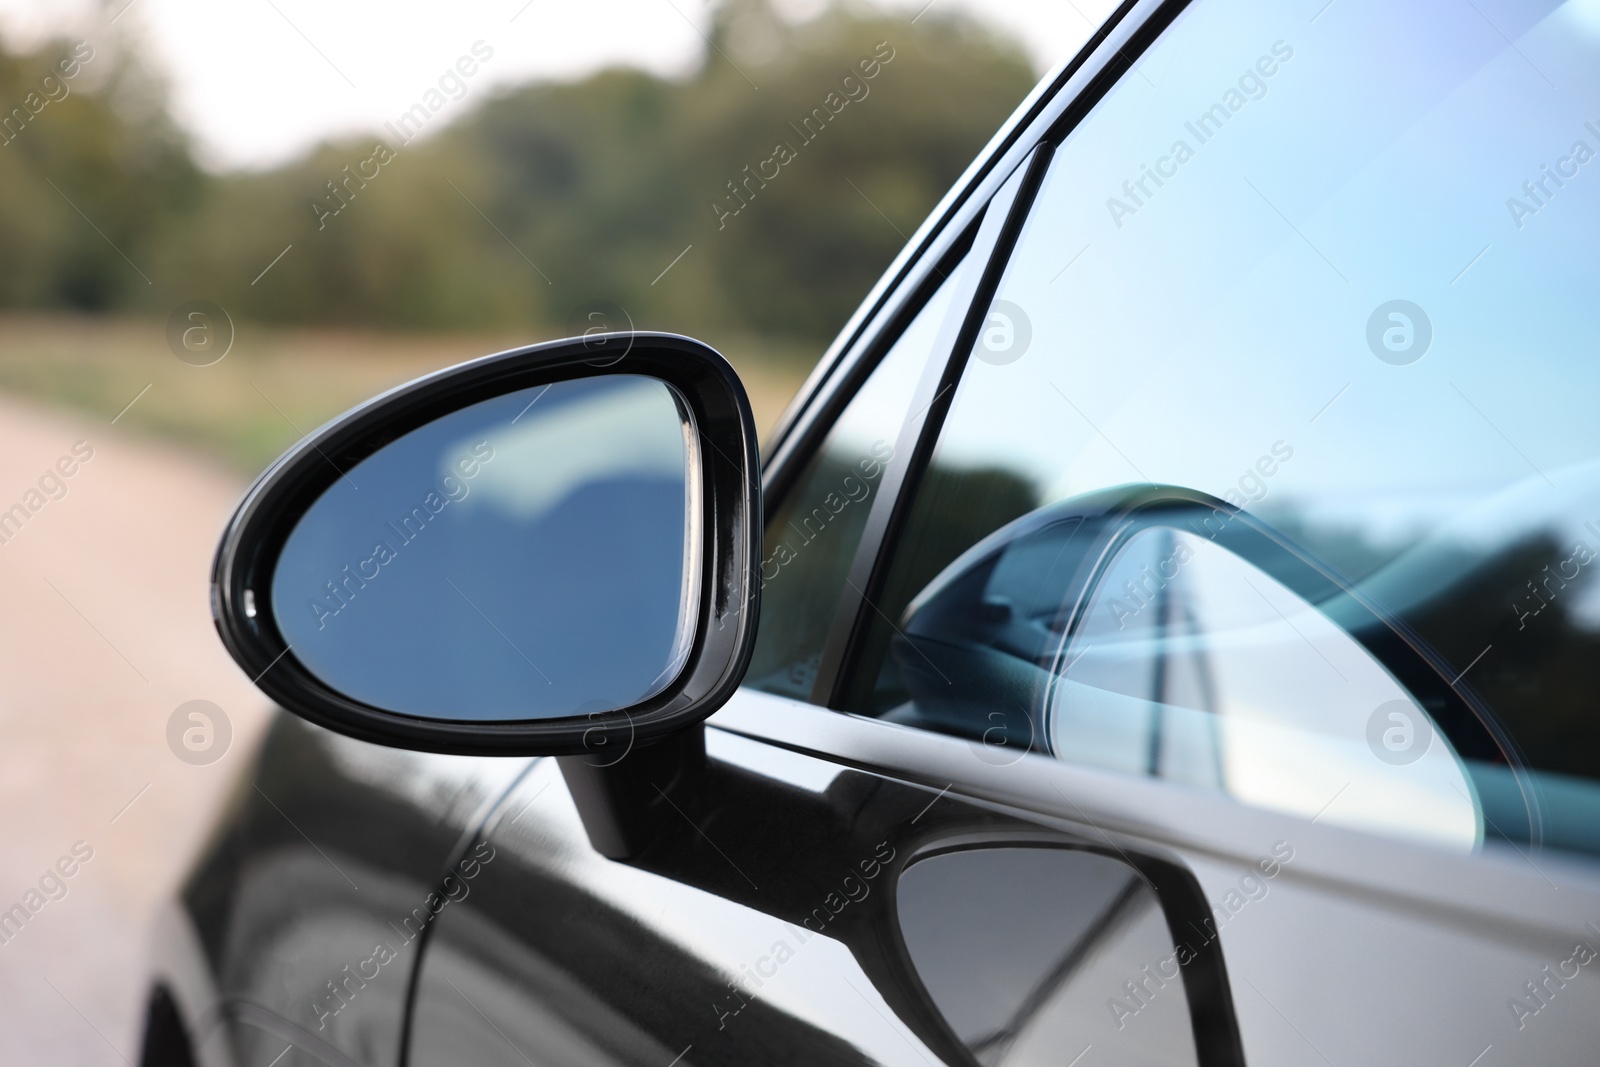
{"x":528,"y":557}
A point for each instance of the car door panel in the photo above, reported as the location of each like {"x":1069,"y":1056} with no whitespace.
{"x":332,"y":849}
{"x":757,"y":927}
{"x":1307,"y":914}
{"x":616,"y":964}
{"x":1410,"y":983}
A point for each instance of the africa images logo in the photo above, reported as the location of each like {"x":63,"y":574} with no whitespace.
{"x":1007,"y":333}
{"x":199,"y":732}
{"x":1399,"y":733}
{"x":1399,"y":332}
{"x":199,"y":332}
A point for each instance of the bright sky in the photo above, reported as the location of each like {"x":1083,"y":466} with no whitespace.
{"x":258,"y":81}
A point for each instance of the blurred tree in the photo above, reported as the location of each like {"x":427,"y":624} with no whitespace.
{"x":542,"y":205}
{"x":91,"y":171}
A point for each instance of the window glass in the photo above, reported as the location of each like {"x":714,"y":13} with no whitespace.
{"x":1222,"y":678}
{"x":812,"y":534}
{"x":1360,"y":309}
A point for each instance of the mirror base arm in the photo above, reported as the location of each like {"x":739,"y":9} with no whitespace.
{"x":623,"y":804}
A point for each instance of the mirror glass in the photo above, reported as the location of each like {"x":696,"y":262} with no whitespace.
{"x":1035,"y":955}
{"x":532,"y":556}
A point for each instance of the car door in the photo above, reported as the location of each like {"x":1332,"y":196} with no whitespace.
{"x":800,"y":912}
{"x":1237,"y":507}
{"x":1183,"y":557}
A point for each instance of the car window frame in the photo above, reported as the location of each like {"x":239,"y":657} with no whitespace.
{"x":1055,"y":104}
{"x":1018,"y":154}
{"x":998,"y":229}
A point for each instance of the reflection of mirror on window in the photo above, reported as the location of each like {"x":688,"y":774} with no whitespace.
{"x":1154,"y":631}
{"x":1192,"y":665}
{"x":1033,"y":954}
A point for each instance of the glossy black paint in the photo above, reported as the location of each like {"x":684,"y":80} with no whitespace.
{"x":625,"y":802}
{"x":327,"y":846}
{"x":745,"y":841}
{"x":857,"y":817}
{"x":622,"y":988}
{"x":730,"y":588}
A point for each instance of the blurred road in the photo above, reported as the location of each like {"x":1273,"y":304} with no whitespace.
{"x":104,"y":631}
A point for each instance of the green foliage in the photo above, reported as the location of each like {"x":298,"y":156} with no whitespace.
{"x":91,"y":171}
{"x":538,"y":206}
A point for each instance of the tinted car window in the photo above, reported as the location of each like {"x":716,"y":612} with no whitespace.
{"x":1358,"y":310}
{"x":812,"y":534}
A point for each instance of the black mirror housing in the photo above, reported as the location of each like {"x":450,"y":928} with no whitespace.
{"x":723,"y":512}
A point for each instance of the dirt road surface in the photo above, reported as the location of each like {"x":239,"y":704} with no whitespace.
{"x":104,"y":632}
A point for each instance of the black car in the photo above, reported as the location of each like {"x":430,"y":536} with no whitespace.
{"x":1163,"y":631}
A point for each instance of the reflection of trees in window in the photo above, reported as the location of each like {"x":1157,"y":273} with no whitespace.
{"x":1538,"y":676}
{"x":1532,"y":651}
{"x":1539,"y":673}
{"x":1346,"y":546}
{"x":810,"y":542}
{"x":955,"y":508}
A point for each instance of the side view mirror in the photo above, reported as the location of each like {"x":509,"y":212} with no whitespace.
{"x":550,"y":551}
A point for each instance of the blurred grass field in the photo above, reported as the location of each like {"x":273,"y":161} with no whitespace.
{"x":275,"y":385}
